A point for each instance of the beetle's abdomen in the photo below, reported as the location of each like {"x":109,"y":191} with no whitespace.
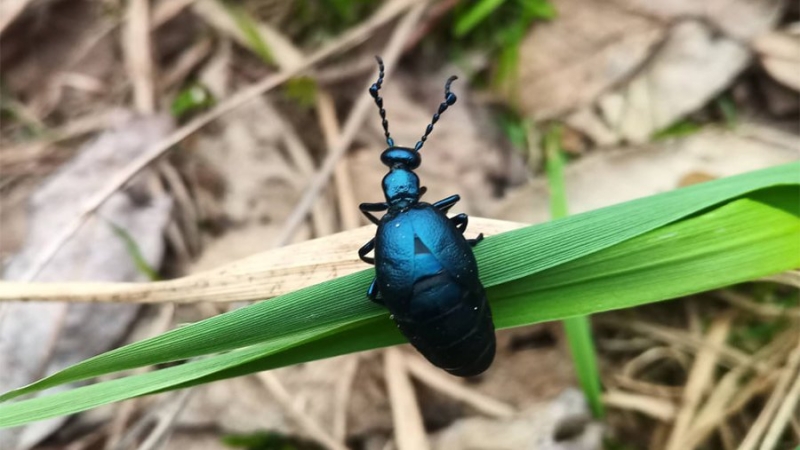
{"x":448,"y":323}
{"x":460,"y":338}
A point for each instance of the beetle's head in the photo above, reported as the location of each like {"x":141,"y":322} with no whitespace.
{"x":396,"y":157}
{"x":401,"y":188}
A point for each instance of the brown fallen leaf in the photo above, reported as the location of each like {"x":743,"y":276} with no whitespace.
{"x":37,"y":339}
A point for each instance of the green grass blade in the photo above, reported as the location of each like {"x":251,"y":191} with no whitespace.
{"x":578,"y":329}
{"x":652,"y":249}
{"x":480,"y":11}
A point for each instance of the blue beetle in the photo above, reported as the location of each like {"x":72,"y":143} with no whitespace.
{"x":425,"y":272}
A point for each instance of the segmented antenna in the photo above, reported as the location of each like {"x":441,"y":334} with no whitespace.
{"x":373,"y":90}
{"x":449,"y":99}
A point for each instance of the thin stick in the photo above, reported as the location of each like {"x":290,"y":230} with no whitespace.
{"x":447,"y":385}
{"x":351,"y":38}
{"x":788,"y":407}
{"x":657,"y":408}
{"x":284,"y":398}
{"x":700,"y":378}
{"x":136,"y":48}
{"x":409,"y":432}
{"x":344,"y":185}
{"x":758,"y":429}
{"x":352,"y":126}
{"x":341,"y":396}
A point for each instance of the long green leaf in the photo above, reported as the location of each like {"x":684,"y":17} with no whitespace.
{"x":583,"y":264}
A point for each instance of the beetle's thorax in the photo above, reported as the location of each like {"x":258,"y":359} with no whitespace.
{"x":401,"y":184}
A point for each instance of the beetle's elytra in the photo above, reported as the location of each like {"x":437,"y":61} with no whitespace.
{"x":425,"y":272}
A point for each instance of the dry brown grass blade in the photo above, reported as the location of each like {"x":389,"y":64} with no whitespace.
{"x":451,"y":387}
{"x":657,"y":408}
{"x":409,"y":432}
{"x":261,"y":276}
{"x":701,"y":377}
{"x":136,"y":48}
{"x":788,"y":408}
{"x":352,"y":37}
{"x":352,"y":126}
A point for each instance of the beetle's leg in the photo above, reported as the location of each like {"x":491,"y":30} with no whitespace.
{"x":460,"y":221}
{"x":444,"y":205}
{"x":362,"y":252}
{"x":372,"y":292}
{"x":474,"y":242}
{"x":366,"y":208}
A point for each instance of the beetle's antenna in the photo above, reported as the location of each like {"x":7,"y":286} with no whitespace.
{"x":373,"y":90}
{"x":449,"y":99}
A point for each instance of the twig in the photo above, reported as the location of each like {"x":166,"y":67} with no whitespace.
{"x":136,"y":47}
{"x":447,"y":385}
{"x":312,"y":428}
{"x":787,"y":409}
{"x":166,"y":10}
{"x":352,"y":126}
{"x":341,"y":396}
{"x":654,"y":407}
{"x":700,"y":378}
{"x":789,"y":278}
{"x":763,"y":310}
{"x":758,"y":429}
{"x":344,"y":185}
{"x":166,"y":420}
{"x":351,"y":38}
{"x":409,"y":432}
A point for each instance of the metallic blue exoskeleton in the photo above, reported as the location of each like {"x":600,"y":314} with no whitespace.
{"x":426,"y":274}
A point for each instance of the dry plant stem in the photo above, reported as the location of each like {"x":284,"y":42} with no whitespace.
{"x":654,"y":407}
{"x":352,"y":37}
{"x":165,"y":10}
{"x":284,"y":398}
{"x":11,"y":9}
{"x":701,"y":377}
{"x":788,"y":408}
{"x":188,"y":60}
{"x":344,"y":185}
{"x":729,"y":397}
{"x":166,"y":420}
{"x":188,"y":219}
{"x":789,"y":278}
{"x":257,"y":277}
{"x":447,"y":385}
{"x":409,"y":432}
{"x":789,"y":375}
{"x":136,"y":46}
{"x":352,"y":126}
{"x":729,"y":357}
{"x":763,"y":310}
{"x":341,"y":396}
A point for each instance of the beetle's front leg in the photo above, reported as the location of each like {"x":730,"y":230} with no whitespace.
{"x":445,"y":204}
{"x":461,"y":221}
{"x":367,"y":208}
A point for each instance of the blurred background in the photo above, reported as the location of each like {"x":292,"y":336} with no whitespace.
{"x":211,"y":120}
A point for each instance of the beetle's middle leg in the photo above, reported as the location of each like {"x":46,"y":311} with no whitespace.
{"x":368,"y":247}
{"x":461,"y":221}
